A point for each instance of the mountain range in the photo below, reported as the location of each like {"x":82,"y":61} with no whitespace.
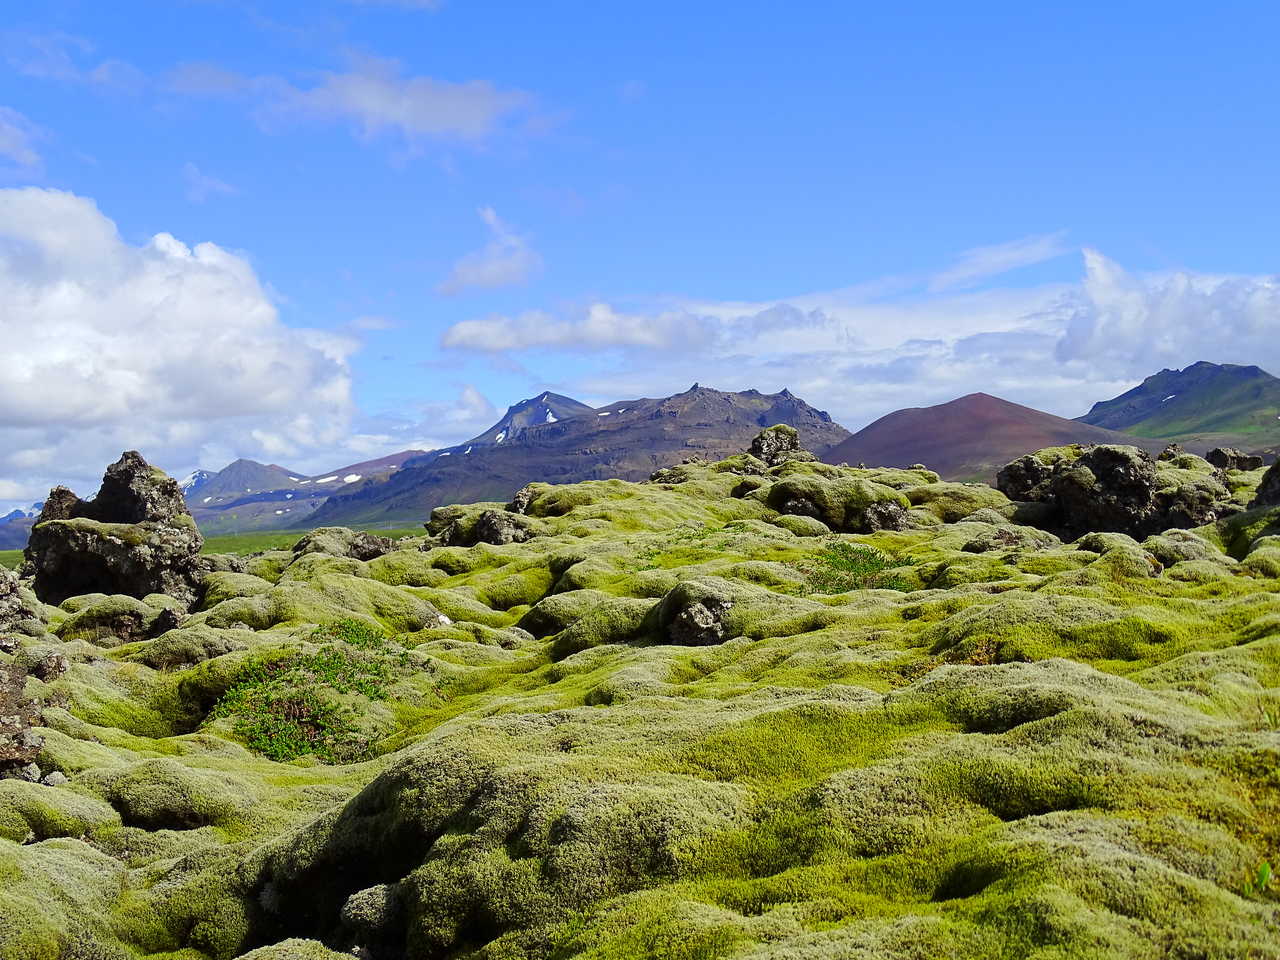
{"x":558,"y":439}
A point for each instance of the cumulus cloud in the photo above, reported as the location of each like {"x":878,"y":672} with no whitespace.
{"x":18,"y":137}
{"x":1129,"y":323}
{"x":507,"y":259}
{"x":375,"y":97}
{"x":201,"y":186}
{"x":172,"y":349}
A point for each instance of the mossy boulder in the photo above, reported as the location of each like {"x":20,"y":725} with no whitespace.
{"x":343,"y":542}
{"x":135,"y":537}
{"x":850,"y":505}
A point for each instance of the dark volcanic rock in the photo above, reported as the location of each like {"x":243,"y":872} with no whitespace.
{"x":1109,"y":488}
{"x":135,"y":537}
{"x":1172,"y":452}
{"x":1026,"y":478}
{"x":1268,"y":494}
{"x":1115,"y":489}
{"x":1229,"y":458}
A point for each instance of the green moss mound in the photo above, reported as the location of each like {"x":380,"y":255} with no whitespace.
{"x":788,"y":711}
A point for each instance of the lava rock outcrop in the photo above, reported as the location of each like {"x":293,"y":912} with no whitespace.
{"x":135,"y":537}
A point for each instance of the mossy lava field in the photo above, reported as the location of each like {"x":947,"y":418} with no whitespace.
{"x":741,"y":710}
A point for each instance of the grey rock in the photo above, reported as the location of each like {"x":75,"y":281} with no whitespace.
{"x":524,"y":496}
{"x":778,"y":444}
{"x":19,"y":744}
{"x":50,"y":666}
{"x":343,"y":542}
{"x":15,"y":609}
{"x":497,"y":527}
{"x":55,"y":778}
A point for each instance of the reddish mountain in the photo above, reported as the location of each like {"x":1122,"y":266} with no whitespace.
{"x":969,"y":438}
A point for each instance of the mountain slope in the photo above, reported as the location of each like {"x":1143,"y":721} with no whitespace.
{"x":627,"y":440}
{"x":1209,"y":402}
{"x":247,"y":495}
{"x":968,"y":438}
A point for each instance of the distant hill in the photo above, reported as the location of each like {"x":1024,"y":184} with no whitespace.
{"x":15,"y":527}
{"x":1207,"y":404}
{"x":629,"y":440}
{"x":247,"y":495}
{"x":967,"y":439}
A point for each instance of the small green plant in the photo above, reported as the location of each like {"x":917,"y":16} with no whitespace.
{"x":285,"y":707}
{"x":1260,"y":883}
{"x":357,"y":633}
{"x":1268,"y":712}
{"x":843,"y":566}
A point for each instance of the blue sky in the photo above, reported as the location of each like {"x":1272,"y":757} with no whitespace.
{"x":415,"y":214}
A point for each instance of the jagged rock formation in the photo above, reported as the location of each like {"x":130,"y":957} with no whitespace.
{"x":135,"y":537}
{"x":19,"y":744}
{"x":1117,"y":488}
{"x":17,"y":611}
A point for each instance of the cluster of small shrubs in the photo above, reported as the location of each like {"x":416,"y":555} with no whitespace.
{"x":843,"y":566}
{"x":286,"y":707}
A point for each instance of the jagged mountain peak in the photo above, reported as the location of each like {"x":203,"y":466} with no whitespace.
{"x":545,"y":408}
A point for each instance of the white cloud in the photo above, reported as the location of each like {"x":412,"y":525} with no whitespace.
{"x":507,"y":259}
{"x":62,"y":57}
{"x":1129,"y":324}
{"x":1058,"y":347}
{"x":170,"y":349}
{"x":374,"y":96}
{"x":980,"y":263}
{"x":201,"y":186}
{"x":599,"y":327}
{"x":17,"y":140}
{"x":379,"y":100}
{"x":429,"y":425}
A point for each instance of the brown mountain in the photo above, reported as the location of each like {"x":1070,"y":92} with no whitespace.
{"x":629,"y":440}
{"x":969,"y":438}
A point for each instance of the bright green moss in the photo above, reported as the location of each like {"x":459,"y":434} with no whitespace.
{"x":553,"y":770}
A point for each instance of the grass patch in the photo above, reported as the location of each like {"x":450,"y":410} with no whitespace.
{"x":289,"y":707}
{"x":10,"y":559}
{"x":842,"y":566}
